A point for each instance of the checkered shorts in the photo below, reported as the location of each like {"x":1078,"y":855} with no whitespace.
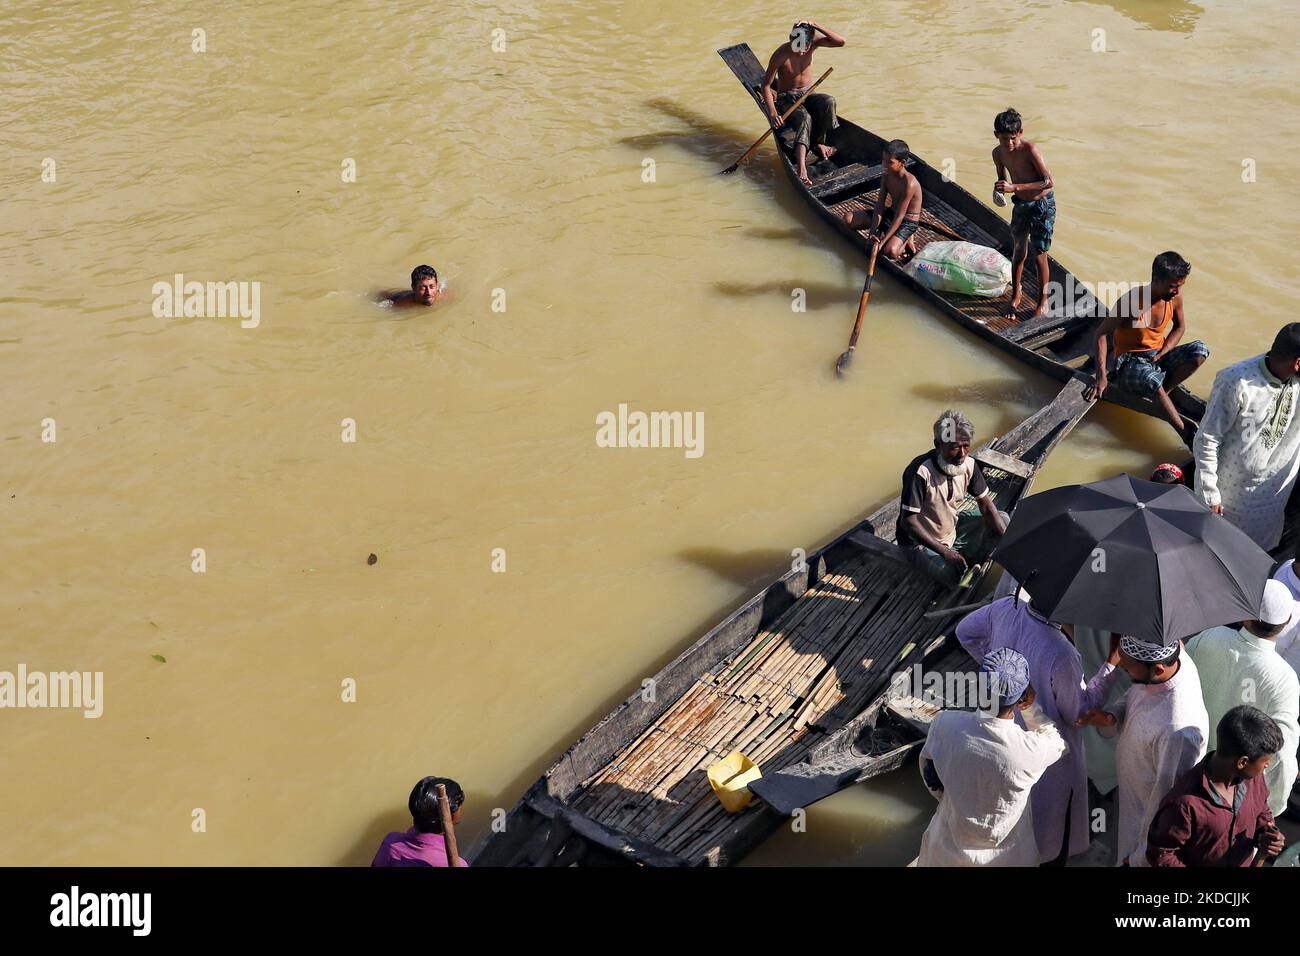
{"x":1037,"y":217}
{"x":1135,"y":372}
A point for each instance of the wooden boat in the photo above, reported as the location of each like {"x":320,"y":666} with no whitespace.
{"x":783,"y":673}
{"x":1059,"y":343}
{"x":878,"y":740}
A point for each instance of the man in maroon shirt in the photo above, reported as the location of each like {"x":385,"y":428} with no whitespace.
{"x":423,"y":844}
{"x":1217,"y":813}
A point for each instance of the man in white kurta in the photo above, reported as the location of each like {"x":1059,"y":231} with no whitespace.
{"x":1248,"y":446}
{"x":1162,"y":727}
{"x":1094,"y":649}
{"x":1288,"y":642}
{"x":982,"y":766}
{"x":1242,"y":666}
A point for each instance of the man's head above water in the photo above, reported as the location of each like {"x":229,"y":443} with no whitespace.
{"x":424,"y":284}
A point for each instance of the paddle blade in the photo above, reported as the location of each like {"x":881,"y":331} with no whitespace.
{"x":842,"y":365}
{"x":730,"y":169}
{"x":787,"y":792}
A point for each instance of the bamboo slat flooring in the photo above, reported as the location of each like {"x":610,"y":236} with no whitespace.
{"x":814,"y":667}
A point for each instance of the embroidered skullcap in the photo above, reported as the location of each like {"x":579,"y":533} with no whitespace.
{"x":1008,"y":674}
{"x":1147,"y":651}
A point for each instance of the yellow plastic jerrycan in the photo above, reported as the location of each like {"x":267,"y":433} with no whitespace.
{"x":730,"y":779}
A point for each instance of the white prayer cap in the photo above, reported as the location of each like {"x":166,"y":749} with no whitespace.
{"x":1148,"y":652}
{"x":1277,"y":605}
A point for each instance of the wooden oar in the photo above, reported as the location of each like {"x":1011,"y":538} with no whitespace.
{"x":845,"y":360}
{"x":448,"y":830}
{"x":771,"y":129}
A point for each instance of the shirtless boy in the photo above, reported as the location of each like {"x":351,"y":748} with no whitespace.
{"x":789,"y":74}
{"x":1022,"y":172}
{"x":904,"y":194}
{"x":425,"y":289}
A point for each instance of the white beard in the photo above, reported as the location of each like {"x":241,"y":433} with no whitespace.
{"x":951,"y":470}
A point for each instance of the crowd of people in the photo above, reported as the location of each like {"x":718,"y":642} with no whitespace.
{"x":1205,"y":735}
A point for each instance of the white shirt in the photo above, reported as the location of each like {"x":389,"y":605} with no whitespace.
{"x":1248,"y":448}
{"x":987,"y":766}
{"x":1060,"y":796}
{"x":1237,"y":667}
{"x":1162,"y":732}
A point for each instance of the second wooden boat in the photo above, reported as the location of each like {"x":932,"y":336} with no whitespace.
{"x":1060,"y":343}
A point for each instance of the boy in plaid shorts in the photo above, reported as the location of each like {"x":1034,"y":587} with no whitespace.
{"x":1150,"y":358}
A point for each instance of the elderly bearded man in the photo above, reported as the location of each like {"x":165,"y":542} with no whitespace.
{"x":934,"y":526}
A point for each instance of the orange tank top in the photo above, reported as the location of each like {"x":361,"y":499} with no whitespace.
{"x":1144,"y":332}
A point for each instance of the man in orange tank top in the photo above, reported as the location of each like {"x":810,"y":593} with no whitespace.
{"x":1150,"y":358}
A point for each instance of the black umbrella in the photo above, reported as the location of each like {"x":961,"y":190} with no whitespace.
{"x":1134,"y":557}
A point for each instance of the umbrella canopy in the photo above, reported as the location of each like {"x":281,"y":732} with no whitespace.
{"x":1134,"y":557}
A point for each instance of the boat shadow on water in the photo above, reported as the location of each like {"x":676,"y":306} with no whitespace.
{"x":818,"y":296}
{"x":718,"y":144}
{"x":750,"y":569}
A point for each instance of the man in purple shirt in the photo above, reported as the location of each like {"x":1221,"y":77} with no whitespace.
{"x":1217,"y":813}
{"x":423,"y":844}
{"x":1060,"y":797}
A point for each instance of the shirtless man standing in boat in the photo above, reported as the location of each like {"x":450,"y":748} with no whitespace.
{"x":904,"y":192}
{"x":789,"y":74}
{"x":1023,"y":173}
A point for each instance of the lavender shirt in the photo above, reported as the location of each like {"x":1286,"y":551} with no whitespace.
{"x":1056,"y":674}
{"x":413,"y":848}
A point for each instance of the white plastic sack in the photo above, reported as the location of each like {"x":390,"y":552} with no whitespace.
{"x":964,"y":267}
